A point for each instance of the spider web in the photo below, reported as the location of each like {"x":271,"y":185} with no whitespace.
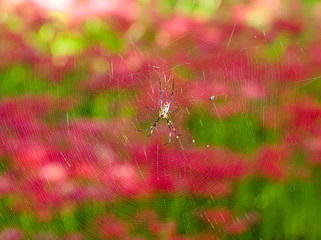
{"x":122,"y":182}
{"x":246,"y":89}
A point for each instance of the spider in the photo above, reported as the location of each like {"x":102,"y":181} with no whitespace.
{"x":163,"y":113}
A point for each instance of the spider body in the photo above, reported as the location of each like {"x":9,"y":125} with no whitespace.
{"x":163,"y":113}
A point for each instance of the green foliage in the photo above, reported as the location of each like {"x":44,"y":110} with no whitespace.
{"x":98,"y":32}
{"x":20,"y":80}
{"x":240,"y":133}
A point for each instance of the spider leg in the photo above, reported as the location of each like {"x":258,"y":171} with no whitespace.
{"x":151,"y":128}
{"x":174,"y":110}
{"x":160,"y":94}
{"x":153,"y":109}
{"x":170,"y":132}
{"x":169,"y":138}
{"x":171,"y":97}
{"x":172,"y":125}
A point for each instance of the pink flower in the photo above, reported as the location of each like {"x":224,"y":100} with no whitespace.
{"x":163,"y":229}
{"x":218,"y":216}
{"x":252,"y":90}
{"x":86,"y":171}
{"x":272,"y":162}
{"x":53,"y":173}
{"x":223,"y":218}
{"x":291,"y":25}
{"x":241,"y":225}
{"x":110,"y":227}
{"x":203,"y":188}
{"x":123,"y":179}
{"x":7,"y":185}
{"x":174,"y":28}
{"x":31,"y":154}
{"x":38,"y":191}
{"x":25,"y":107}
{"x":11,"y":234}
{"x":161,"y":182}
{"x":237,"y":228}
{"x":202,"y":91}
{"x":313,"y":147}
{"x":218,"y":164}
{"x":272,"y":117}
{"x":306,"y":114}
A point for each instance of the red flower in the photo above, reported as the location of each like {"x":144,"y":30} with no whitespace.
{"x":271,"y":162}
{"x":241,"y":225}
{"x":124,"y":179}
{"x":7,"y":185}
{"x":110,"y":227}
{"x":293,"y":26}
{"x":218,"y":216}
{"x":161,"y":182}
{"x":237,"y":227}
{"x":207,"y":188}
{"x":30,"y":154}
{"x":306,"y":114}
{"x":54,"y":173}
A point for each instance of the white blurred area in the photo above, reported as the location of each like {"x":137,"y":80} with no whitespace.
{"x":77,"y":8}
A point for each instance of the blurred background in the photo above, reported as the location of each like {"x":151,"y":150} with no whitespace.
{"x":75,"y":77}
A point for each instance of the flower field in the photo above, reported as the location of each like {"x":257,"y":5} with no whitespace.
{"x":79,"y":78}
